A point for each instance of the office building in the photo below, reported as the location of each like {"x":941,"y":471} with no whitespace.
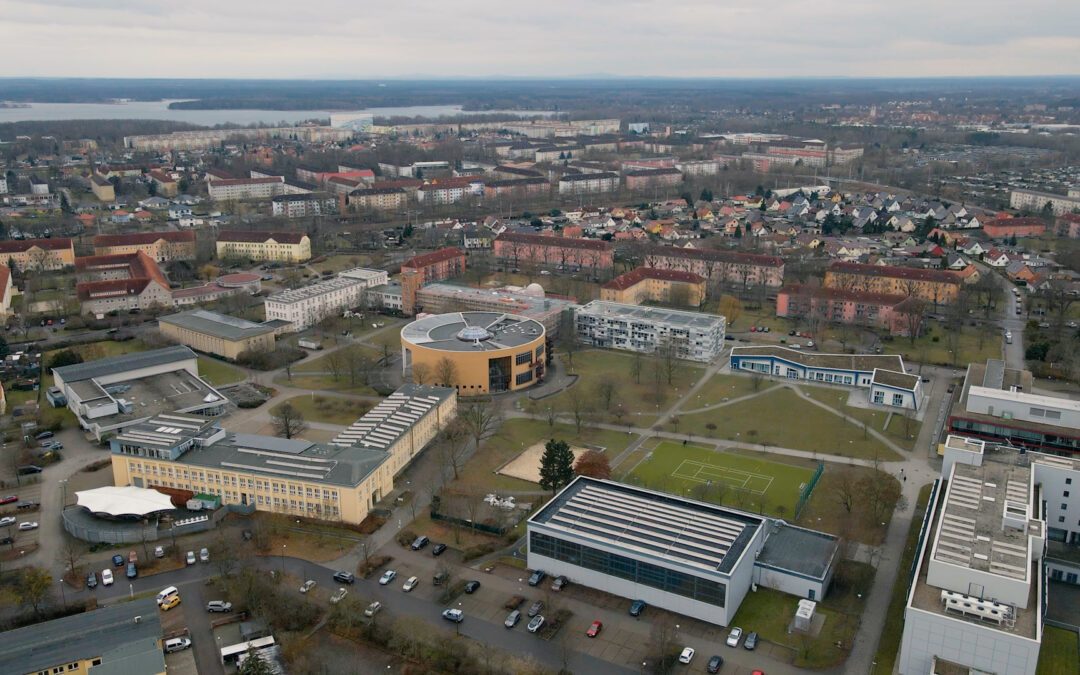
{"x":686,"y":556}
{"x":489,"y":352}
{"x":308,"y":305}
{"x":289,"y":247}
{"x":695,"y":336}
{"x":160,"y":246}
{"x":529,"y":302}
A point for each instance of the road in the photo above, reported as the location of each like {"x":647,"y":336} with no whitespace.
{"x":395,"y":603}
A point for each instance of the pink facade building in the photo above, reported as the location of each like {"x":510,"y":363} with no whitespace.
{"x":858,"y":308}
{"x":550,"y":251}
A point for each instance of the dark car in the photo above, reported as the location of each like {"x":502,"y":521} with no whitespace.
{"x":637,"y":608}
{"x":437,"y":549}
{"x":419,"y":543}
{"x":91,"y":580}
{"x":131,"y":571}
{"x":440,"y":578}
{"x":751,"y":640}
{"x":118,"y":560}
{"x":344,"y":577}
{"x":537,"y":577}
{"x":6,"y":540}
{"x":536,"y":608}
{"x":471,"y":587}
{"x":43,"y":435}
{"x":713,"y":666}
{"x":559,"y":583}
{"x":29,"y":469}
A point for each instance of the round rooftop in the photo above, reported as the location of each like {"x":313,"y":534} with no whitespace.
{"x":534,"y":289}
{"x":238,"y":278}
{"x":472,"y":331}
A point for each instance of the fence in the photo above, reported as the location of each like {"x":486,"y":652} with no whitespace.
{"x":808,"y":489}
{"x":468,"y":523}
{"x":80,"y":524}
{"x":924,"y":532}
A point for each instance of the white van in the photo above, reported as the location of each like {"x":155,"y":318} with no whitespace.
{"x":167,"y":593}
{"x":176,"y":644}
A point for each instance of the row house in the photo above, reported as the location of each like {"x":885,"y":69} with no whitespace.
{"x":551,"y":251}
{"x":717,"y":266}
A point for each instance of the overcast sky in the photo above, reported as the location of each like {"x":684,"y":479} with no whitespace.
{"x":538,"y":38}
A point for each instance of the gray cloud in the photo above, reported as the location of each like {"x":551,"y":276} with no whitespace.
{"x":553,"y":38}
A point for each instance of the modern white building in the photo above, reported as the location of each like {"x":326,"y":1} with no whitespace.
{"x":977,"y":599}
{"x":306,"y":306}
{"x":304,"y":205}
{"x":696,"y":336}
{"x":683,"y":555}
{"x":369,"y":276}
{"x":1032,"y":200}
{"x":246,"y":188}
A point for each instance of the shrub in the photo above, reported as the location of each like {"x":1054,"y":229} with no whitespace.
{"x":406,"y":537}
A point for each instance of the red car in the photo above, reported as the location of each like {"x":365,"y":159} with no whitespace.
{"x":9,"y":499}
{"x":594,"y":629}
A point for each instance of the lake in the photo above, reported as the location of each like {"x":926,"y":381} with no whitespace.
{"x":159,"y":110}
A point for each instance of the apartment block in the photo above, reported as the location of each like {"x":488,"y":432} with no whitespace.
{"x":1032,"y":200}
{"x":102,"y":188}
{"x":644,"y":179}
{"x":857,"y":308}
{"x":588,"y":183}
{"x":33,"y":255}
{"x":934,"y":286}
{"x":646,"y":284}
{"x":379,"y":199}
{"x":308,"y":305}
{"x":246,"y":188}
{"x":304,"y":205}
{"x":160,"y":246}
{"x":290,"y":247}
{"x":694,"y":336}
{"x":718,"y":266}
{"x":446,"y":263}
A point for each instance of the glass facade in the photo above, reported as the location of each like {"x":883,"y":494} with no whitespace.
{"x":623,"y":567}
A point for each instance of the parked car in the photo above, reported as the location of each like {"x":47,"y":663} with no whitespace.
{"x":131,"y":571}
{"x":118,"y":560}
{"x":537,"y":577}
{"x":27,"y":525}
{"x":159,"y":551}
{"x":637,"y":608}
{"x":440,"y":578}
{"x":28,"y":469}
{"x":687,"y":655}
{"x":176,"y":644}
{"x":437,"y":549}
{"x":106,"y":577}
{"x":91,"y":580}
{"x":751,"y":640}
{"x":218,"y":606}
{"x":10,"y":499}
{"x":170,"y":602}
{"x":560,"y":583}
{"x":512,"y":619}
{"x":734,"y":637}
{"x":307,"y":585}
{"x":6,"y":540}
{"x":133,"y":557}
{"x":419,"y":543}
{"x":7,"y":520}
{"x":713,"y":666}
{"x":387,"y":577}
{"x":27,"y":505}
{"x":344,"y":577}
{"x":44,"y":435}
{"x":373,"y":608}
{"x":472,"y":587}
{"x":338,"y":595}
{"x":204,"y":555}
{"x":536,"y":624}
{"x":190,"y":557}
{"x":536,"y":608}
{"x":410,"y":584}
{"x":594,"y":629}
{"x":455,"y":615}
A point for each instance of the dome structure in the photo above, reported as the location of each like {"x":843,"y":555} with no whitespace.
{"x":534,"y":289}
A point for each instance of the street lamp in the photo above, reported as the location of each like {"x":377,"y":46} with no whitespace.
{"x":283,"y":558}
{"x":63,"y":594}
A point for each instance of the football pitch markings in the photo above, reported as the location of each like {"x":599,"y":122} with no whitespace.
{"x":701,"y":472}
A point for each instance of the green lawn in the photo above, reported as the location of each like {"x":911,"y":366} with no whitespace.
{"x":326,"y":383}
{"x":718,"y":388}
{"x":761,"y":420}
{"x":889,"y":646}
{"x":769,"y":612}
{"x":902,"y":430}
{"x":328,"y":409}
{"x":596,"y":366}
{"x":1059,"y":654}
{"x":321,"y":364}
{"x":517,"y":434}
{"x":99,"y":350}
{"x":926,"y":350}
{"x":741,"y":480}
{"x":341,"y":262}
{"x":218,"y":373}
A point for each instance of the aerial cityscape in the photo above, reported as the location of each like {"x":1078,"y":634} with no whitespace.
{"x":350,"y":340}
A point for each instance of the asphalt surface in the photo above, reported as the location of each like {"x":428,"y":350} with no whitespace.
{"x":189,"y":581}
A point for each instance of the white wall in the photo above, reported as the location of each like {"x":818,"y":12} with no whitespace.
{"x":1054,"y":487}
{"x":995,"y":587}
{"x":985,"y":401}
{"x":789,"y":583}
{"x":928,"y":634}
{"x":909,"y":398}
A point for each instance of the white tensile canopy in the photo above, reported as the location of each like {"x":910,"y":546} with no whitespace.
{"x":124,"y":501}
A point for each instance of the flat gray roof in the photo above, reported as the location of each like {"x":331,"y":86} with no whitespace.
{"x":110,"y":632}
{"x":494,"y":330}
{"x":798,"y":550}
{"x":865,"y":363}
{"x":392,"y":418}
{"x":218,"y":325}
{"x":123,"y":363}
{"x":313,"y":290}
{"x":653,"y":315}
{"x":683,"y":531}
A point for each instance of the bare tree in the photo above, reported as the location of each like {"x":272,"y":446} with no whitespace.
{"x":446,"y":373}
{"x":288,"y":421}
{"x":421,"y":373}
{"x":845,"y":490}
{"x":605,"y":390}
{"x":569,"y":343}
{"x":71,"y":554}
{"x":579,"y":406}
{"x":335,"y":363}
{"x":481,"y":419}
{"x":453,"y":439}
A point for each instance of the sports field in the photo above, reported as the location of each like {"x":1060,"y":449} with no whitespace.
{"x":736,"y":480}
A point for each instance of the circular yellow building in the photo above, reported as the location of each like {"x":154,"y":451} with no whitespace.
{"x":477,"y":352}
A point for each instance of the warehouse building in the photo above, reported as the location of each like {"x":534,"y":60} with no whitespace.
{"x":219,"y":334}
{"x":686,"y":556}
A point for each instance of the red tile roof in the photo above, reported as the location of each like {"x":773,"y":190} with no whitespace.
{"x":141,"y":271}
{"x":625,"y":281}
{"x":140,"y":238}
{"x":715,"y":255}
{"x":259,"y":236}
{"x":27,"y":244}
{"x":944,"y":276}
{"x":558,"y":242}
{"x":1024,"y":221}
{"x":1071,"y":217}
{"x":844,"y":294}
{"x":426,"y":259}
{"x":92,"y":290}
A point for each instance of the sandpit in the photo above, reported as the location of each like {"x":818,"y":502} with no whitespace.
{"x":526,"y":466}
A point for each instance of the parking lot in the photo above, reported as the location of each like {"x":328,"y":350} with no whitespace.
{"x":25,"y":508}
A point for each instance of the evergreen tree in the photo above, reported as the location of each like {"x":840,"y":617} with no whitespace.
{"x":556,"y":466}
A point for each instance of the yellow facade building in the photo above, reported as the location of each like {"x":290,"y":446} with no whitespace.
{"x":160,"y":246}
{"x":102,"y":188}
{"x":649,"y":284}
{"x":37,"y":255}
{"x":475,"y":352}
{"x":220,"y":334}
{"x":290,"y":247}
{"x":339,"y":481}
